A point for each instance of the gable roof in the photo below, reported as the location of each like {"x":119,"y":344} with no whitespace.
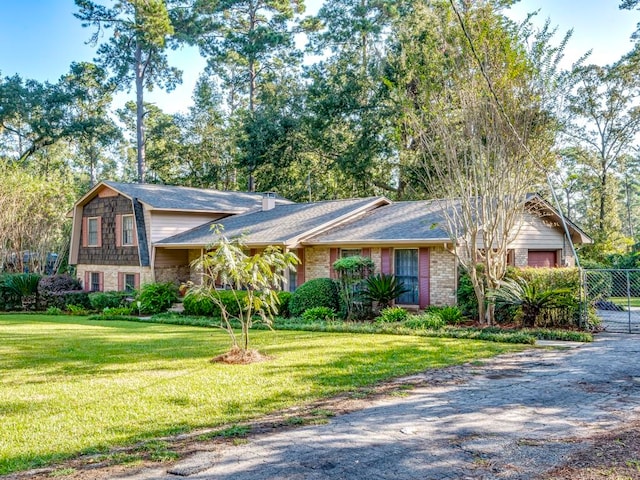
{"x":400,"y":222}
{"x":186,"y":199}
{"x":283,"y":225}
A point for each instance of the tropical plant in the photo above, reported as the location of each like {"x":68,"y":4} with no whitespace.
{"x":383,"y":289}
{"x":451,"y":315}
{"x":253,"y":281}
{"x":426,"y":320}
{"x":157,"y":297}
{"x":318,"y":314}
{"x":392,"y":314}
{"x":531,"y":299}
{"x":25,"y":285}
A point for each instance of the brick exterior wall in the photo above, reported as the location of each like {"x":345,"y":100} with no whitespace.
{"x":376,"y":258}
{"x":521,"y":257}
{"x":110,"y":274}
{"x":444,"y":277}
{"x":317,"y":263}
{"x":108,"y":253}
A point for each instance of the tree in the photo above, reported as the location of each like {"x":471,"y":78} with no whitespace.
{"x":245,"y":40}
{"x":259,"y":277}
{"x":473,"y":110}
{"x":603,"y":121}
{"x":135,"y":53}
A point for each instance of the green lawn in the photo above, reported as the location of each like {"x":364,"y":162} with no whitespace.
{"x":622,"y":301}
{"x":69,"y":385}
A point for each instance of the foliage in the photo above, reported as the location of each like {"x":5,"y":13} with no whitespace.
{"x":57,"y":284}
{"x":259,"y":277}
{"x":77,"y":310}
{"x":426,"y":320}
{"x":200,"y":302}
{"x":149,"y":357}
{"x":101,"y":300}
{"x":283,"y":303}
{"x":117,"y":311}
{"x":25,"y":286}
{"x":352,"y":272}
{"x":384,"y":289}
{"x":450,"y":315}
{"x":531,"y":299}
{"x":54,"y":311}
{"x":392,"y":314}
{"x":318,"y":314}
{"x":9,"y":300}
{"x":319,"y":292}
{"x":61,"y":300}
{"x":157,"y":297}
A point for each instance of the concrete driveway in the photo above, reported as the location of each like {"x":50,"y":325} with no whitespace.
{"x":515,"y":417}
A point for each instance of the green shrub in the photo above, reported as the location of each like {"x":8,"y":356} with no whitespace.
{"x":466,"y":296}
{"x":392,"y":314}
{"x":450,"y":315}
{"x":283,"y":308}
{"x":157,"y":297}
{"x":76,"y":310}
{"x":58,"y":291}
{"x":319,"y":292}
{"x":383,"y":289}
{"x":318,"y":314}
{"x":9,"y":300}
{"x":101,"y":300}
{"x":427,"y":321}
{"x":113,"y":311}
{"x":25,"y":286}
{"x":53,"y":311}
{"x":199,"y":303}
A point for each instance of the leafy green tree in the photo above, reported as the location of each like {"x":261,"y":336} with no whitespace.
{"x":135,"y":53}
{"x":254,"y":281}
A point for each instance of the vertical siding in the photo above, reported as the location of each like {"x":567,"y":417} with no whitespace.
{"x":300,"y":267}
{"x":167,"y":224}
{"x":423,"y":277}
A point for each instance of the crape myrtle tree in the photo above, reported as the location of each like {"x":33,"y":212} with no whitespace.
{"x":474,"y":113}
{"x":135,"y":52}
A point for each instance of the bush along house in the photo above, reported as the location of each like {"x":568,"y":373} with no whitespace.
{"x":128,"y":234}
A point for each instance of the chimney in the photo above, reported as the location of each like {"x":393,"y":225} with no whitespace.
{"x":268,"y":201}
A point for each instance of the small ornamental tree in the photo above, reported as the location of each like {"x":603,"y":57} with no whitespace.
{"x":352,"y":272}
{"x":253,"y":280}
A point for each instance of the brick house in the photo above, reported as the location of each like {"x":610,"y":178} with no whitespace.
{"x":127,"y":234}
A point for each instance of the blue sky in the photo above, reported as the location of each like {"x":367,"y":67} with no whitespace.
{"x":40,"y":38}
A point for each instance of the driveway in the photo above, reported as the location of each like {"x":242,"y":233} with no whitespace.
{"x":514,"y":416}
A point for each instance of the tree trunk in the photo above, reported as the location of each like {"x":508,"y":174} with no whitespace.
{"x":140,"y":140}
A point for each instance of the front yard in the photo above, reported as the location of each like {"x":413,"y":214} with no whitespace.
{"x":70,"y":385}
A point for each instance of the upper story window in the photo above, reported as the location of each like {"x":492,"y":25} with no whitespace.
{"x":127,"y":230}
{"x":93,"y":231}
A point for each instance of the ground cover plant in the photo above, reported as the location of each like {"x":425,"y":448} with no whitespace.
{"x":86,"y":385}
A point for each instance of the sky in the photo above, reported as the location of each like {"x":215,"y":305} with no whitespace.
{"x":40,"y":38}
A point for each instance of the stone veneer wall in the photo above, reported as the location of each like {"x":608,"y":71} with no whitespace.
{"x":316,"y":263}
{"x":177,"y":274}
{"x":443,"y":273}
{"x":521,"y":257}
{"x":110,"y":274}
{"x":376,"y":258}
{"x":195,"y":274}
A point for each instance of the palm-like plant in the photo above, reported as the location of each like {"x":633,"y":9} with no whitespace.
{"x":529,"y":297}
{"x":25,"y":286}
{"x":383,"y":289}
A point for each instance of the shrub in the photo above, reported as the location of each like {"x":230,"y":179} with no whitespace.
{"x":450,"y":315}
{"x":9,"y":300}
{"x":383,"y":289}
{"x":283,"y":308}
{"x":157,"y":297}
{"x":117,"y":311}
{"x":54,"y":311}
{"x":63,"y":299}
{"x":101,"y":300}
{"x":466,"y":296}
{"x":319,"y":292}
{"x":58,"y":284}
{"x":76,"y":310}
{"x":352,"y":272}
{"x":392,"y":314}
{"x":318,"y":314}
{"x":25,"y":286}
{"x":199,"y":303}
{"x":58,"y":291}
{"x":427,"y":321}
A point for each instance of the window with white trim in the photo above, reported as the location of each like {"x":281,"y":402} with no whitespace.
{"x":93,"y":230}
{"x":129,"y":282}
{"x":127,"y":230}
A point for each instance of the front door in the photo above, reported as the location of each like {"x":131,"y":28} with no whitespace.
{"x":406,"y":271}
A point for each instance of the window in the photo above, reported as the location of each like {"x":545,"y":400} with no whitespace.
{"x":406,"y":271}
{"x":129,"y":282}
{"x":293,"y":280}
{"x":127,"y":230}
{"x":93,"y":231}
{"x":94,"y":282}
{"x":350,"y":252}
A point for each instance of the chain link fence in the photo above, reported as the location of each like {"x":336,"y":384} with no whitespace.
{"x":615,"y":295}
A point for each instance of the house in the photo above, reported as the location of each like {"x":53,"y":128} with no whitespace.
{"x":127,"y":234}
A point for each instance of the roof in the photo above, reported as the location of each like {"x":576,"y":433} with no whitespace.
{"x":400,"y":222}
{"x":188,"y":199}
{"x":283,"y":225}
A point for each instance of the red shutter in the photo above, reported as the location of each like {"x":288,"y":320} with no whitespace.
{"x":333,"y":256}
{"x":118,"y":234}
{"x":136,"y":281}
{"x":423,"y":278}
{"x":366,"y":252}
{"x":135,"y":232}
{"x":87,"y":281}
{"x":252,"y":252}
{"x":85,"y":231}
{"x":120,"y":281}
{"x":385,"y":266}
{"x":300,"y":267}
{"x":101,"y":282}
{"x":99,"y":231}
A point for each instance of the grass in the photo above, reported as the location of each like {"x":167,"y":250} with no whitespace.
{"x":622,"y":301}
{"x":69,"y":385}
